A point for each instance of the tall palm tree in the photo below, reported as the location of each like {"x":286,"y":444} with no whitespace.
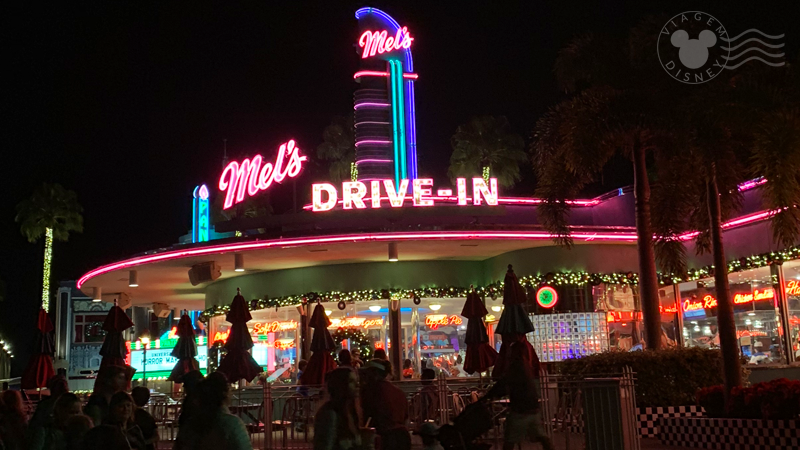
{"x":52,"y":212}
{"x":738,"y":128}
{"x":338,"y":147}
{"x":614,"y":109}
{"x":488,"y":146}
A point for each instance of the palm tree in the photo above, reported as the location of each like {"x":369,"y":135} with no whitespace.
{"x":338,"y":147}
{"x":614,"y":109}
{"x":52,"y":212}
{"x":738,"y":128}
{"x":488,"y":146}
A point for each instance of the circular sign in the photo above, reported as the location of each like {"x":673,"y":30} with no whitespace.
{"x":693,"y":47}
{"x":546,"y":297}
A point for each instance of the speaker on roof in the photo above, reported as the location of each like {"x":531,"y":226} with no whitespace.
{"x":204,"y":272}
{"x":161,"y":310}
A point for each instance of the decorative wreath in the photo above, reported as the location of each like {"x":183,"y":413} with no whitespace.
{"x":357,"y":338}
{"x":89,"y":327}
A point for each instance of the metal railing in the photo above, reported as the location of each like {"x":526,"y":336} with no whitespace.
{"x":594,"y":412}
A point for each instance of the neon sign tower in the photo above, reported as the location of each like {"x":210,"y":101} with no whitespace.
{"x":385,"y":122}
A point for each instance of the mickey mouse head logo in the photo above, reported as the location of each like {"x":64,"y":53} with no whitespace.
{"x":693,"y":52}
{"x":692,"y":47}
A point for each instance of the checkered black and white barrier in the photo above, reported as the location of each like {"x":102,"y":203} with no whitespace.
{"x":730,"y":434}
{"x":648,"y":417}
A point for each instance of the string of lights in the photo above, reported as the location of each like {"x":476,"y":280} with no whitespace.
{"x":495,"y":290}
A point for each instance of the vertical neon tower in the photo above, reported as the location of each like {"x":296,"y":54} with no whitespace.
{"x":200,"y":214}
{"x":385,"y":122}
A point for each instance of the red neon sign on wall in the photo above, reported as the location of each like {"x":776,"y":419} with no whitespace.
{"x":265,"y":328}
{"x":433,"y":321}
{"x":248,"y":177}
{"x":380,"y":42}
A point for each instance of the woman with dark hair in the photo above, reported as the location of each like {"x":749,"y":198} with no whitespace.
{"x":110,"y":380}
{"x":212,"y":426}
{"x":118,"y":431}
{"x":13,"y":420}
{"x":336,"y":422}
{"x":345,"y":358}
{"x":49,"y":434}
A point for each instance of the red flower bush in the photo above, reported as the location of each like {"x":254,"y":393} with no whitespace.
{"x":773,"y":400}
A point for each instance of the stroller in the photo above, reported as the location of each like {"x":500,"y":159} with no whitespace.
{"x":472,"y":423}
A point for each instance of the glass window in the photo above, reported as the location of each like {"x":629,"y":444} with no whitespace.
{"x":89,"y":328}
{"x":755,"y":313}
{"x":791,"y":274}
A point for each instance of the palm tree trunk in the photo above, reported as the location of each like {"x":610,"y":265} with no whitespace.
{"x":725,"y":322}
{"x":648,"y":279}
{"x":48,"y":257}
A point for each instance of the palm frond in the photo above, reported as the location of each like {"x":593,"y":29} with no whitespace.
{"x":50,"y":206}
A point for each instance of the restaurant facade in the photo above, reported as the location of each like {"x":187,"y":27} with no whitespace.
{"x":392,"y":257}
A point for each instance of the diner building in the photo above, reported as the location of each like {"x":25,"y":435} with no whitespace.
{"x":388,"y":242}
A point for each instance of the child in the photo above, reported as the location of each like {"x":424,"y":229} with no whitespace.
{"x":142,"y":418}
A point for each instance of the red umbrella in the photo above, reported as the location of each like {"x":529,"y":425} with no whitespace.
{"x":40,"y":366}
{"x":514,"y":323}
{"x":185,"y":350}
{"x":239,"y":364}
{"x":321,"y":361}
{"x":113,"y":350}
{"x":480,"y":355}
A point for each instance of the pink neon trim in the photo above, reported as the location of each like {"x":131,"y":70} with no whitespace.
{"x":445,"y":198}
{"x":374,"y":73}
{"x":361,"y":105}
{"x":747,"y":185}
{"x":446,"y":235}
{"x":735,"y":223}
{"x":372,"y":141}
{"x":373,"y":161}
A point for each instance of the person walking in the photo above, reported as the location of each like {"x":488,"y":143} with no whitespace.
{"x":336,"y":422}
{"x":519,"y":384}
{"x":118,"y":431}
{"x":110,"y":380}
{"x":385,"y":405}
{"x":213,"y":427}
{"x":13,"y":420}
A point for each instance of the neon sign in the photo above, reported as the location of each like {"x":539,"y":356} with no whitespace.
{"x":221,"y":336}
{"x":200,"y":213}
{"x":766,"y":294}
{"x":355,"y":322}
{"x":249,"y":177}
{"x":380,"y":42}
{"x":708,"y":302}
{"x":265,"y":328}
{"x":284,"y":344}
{"x":546,"y":297}
{"x":434,"y":321}
{"x":354,"y":193}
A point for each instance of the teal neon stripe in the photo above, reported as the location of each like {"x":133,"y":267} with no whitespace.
{"x":401,"y":113}
{"x":395,"y":124}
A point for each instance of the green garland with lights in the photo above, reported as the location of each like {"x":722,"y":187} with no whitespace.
{"x":495,"y":290}
{"x":357,"y":338}
{"x":87,"y":330}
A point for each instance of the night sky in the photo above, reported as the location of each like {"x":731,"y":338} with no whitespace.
{"x":129,"y":105}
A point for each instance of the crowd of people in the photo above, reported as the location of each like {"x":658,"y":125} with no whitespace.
{"x":361,"y":402}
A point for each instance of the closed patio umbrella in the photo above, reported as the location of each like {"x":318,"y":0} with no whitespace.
{"x":113,"y":350}
{"x":514,"y":323}
{"x":480,"y":355}
{"x":40,"y":366}
{"x":239,"y":364}
{"x":185,"y":350}
{"x":321,"y":361}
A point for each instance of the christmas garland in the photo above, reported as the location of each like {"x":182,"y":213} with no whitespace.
{"x":87,"y":330}
{"x":357,"y":338}
{"x":495,"y":290}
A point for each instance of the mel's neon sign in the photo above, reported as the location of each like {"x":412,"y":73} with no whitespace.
{"x":379,"y":42}
{"x":249,"y":177}
{"x":325,"y":196}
